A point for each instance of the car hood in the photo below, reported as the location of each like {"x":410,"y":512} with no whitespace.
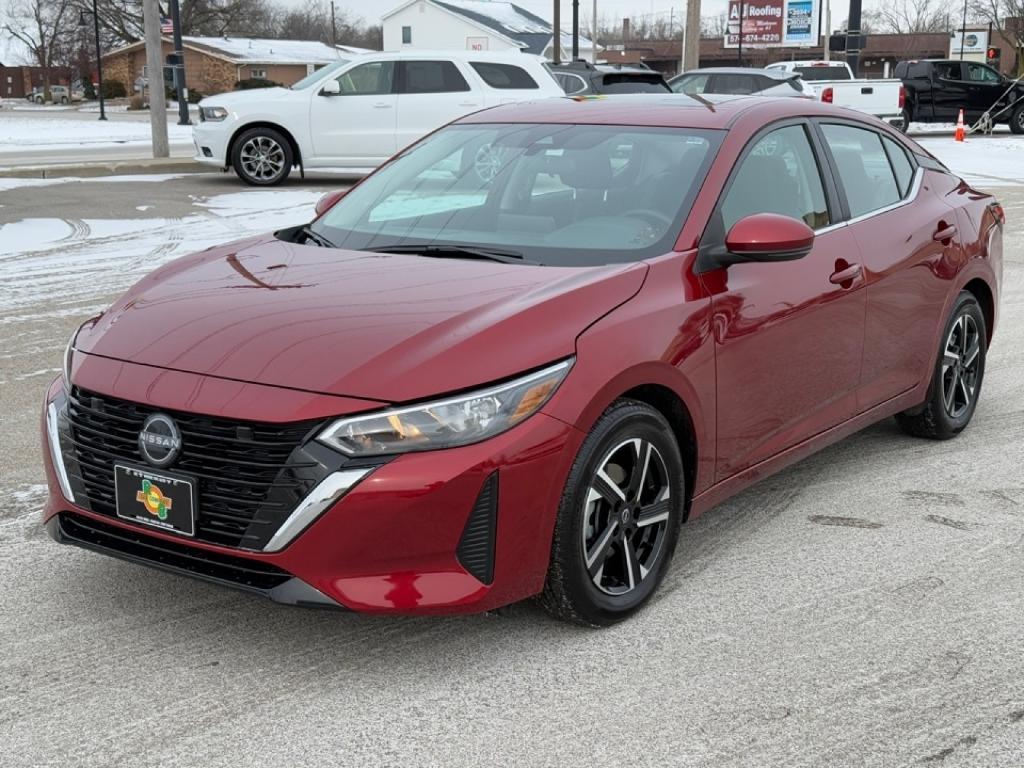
{"x":232,"y":99}
{"x":376,"y":326}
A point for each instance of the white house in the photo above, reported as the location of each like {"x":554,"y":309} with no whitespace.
{"x":476,"y":25}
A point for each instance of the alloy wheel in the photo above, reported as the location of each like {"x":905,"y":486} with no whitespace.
{"x":626,"y":517}
{"x":960,"y":360}
{"x":262,"y":158}
{"x":488,"y":161}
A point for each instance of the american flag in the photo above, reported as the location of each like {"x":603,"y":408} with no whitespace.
{"x":166,"y":25}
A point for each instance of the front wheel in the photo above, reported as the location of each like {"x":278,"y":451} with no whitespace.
{"x":618,"y":520}
{"x":956,"y":380}
{"x":262,"y":157}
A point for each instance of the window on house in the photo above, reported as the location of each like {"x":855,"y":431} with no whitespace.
{"x":406,"y":35}
{"x":258,"y":74}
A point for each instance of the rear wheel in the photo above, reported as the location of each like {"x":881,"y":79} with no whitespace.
{"x":1017,"y":120}
{"x":618,"y":520}
{"x":956,"y":381}
{"x":262,"y":157}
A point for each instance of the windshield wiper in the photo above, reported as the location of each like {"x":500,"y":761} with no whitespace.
{"x":320,"y":240}
{"x":503,"y":255}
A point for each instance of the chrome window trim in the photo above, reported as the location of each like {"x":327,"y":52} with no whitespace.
{"x":327,"y":492}
{"x":53,"y":434}
{"x":915,"y":188}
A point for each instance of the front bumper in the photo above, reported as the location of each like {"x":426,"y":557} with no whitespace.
{"x":211,"y":141}
{"x":397,"y":542}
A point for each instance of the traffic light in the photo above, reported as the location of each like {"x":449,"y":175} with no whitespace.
{"x":992,"y":56}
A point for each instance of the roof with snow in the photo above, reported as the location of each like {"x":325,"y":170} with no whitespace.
{"x":530,"y":31}
{"x":255,"y":50}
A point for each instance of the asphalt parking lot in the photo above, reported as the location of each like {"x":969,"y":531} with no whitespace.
{"x":863,"y":608}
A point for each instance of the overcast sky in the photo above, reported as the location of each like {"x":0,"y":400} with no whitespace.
{"x":370,"y":10}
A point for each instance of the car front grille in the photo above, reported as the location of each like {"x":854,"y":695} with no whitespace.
{"x":250,"y":475}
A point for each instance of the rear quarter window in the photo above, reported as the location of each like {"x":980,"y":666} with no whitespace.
{"x":503,"y":76}
{"x":622,"y":83}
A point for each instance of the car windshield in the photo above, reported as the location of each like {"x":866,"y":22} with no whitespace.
{"x":315,"y":76}
{"x":565,"y":195}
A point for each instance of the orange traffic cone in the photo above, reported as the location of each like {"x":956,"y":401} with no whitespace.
{"x":959,"y":127}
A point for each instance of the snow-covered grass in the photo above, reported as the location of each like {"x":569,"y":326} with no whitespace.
{"x":21,"y":132}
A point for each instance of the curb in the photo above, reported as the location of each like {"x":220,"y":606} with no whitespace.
{"x":108,"y":168}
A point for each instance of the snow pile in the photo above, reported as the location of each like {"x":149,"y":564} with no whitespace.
{"x":983,"y":161}
{"x":20,"y":132}
{"x":511,"y":17}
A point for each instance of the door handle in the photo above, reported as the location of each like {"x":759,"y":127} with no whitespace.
{"x":381,"y":105}
{"x":851,"y":274}
{"x":944,"y":232}
{"x":469,"y":104}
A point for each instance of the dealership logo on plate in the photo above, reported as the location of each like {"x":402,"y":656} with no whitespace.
{"x":159,"y":440}
{"x":153,"y":500}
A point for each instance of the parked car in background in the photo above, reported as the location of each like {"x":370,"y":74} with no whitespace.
{"x":446,"y":394}
{"x":741,"y":81}
{"x":833,"y":82}
{"x":937,"y":89}
{"x":579,"y":78}
{"x":59,"y":94}
{"x":360,"y":111}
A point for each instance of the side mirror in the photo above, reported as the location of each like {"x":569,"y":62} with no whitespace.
{"x":768,"y":237}
{"x":330,"y":88}
{"x":325,"y":203}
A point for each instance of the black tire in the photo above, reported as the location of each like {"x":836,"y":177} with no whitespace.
{"x":959,"y":371}
{"x":905,"y":125}
{"x":262,"y":157}
{"x":574,"y":593}
{"x":63,"y":99}
{"x":1017,"y":120}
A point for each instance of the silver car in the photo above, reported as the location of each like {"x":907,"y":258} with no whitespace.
{"x":741,"y":81}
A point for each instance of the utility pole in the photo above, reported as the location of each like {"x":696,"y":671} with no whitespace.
{"x":575,"y":29}
{"x":179,"y":63}
{"x":557,"y":38}
{"x":739,"y":50}
{"x":826,"y":54}
{"x":853,"y":38}
{"x":691,"y":36}
{"x":593,"y":36}
{"x":154,"y":78}
{"x":963,"y":32}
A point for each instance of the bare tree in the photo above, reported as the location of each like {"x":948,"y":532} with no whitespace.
{"x":904,"y":17}
{"x":1007,"y":17}
{"x":43,"y":26}
{"x":714,"y":26}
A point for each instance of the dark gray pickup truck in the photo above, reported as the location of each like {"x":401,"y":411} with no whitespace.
{"x":937,"y":89}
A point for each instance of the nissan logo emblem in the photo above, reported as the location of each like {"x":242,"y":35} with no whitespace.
{"x":160,"y":440}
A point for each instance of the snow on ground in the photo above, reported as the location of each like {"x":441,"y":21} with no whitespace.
{"x":21,"y":132}
{"x":984,"y":161}
{"x":38,"y":254}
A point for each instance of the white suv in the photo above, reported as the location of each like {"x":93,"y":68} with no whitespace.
{"x":356,"y":113}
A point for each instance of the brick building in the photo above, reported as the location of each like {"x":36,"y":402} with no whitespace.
{"x":881,"y":53}
{"x":216,"y":64}
{"x":18,"y":82}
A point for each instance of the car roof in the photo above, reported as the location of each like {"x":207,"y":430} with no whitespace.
{"x":503,"y":56}
{"x":775,"y":74}
{"x":675,"y":110}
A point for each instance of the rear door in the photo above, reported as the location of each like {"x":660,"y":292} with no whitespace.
{"x":788,"y":335}
{"x":431,"y":93}
{"x":899,"y":224}
{"x":949,"y":90}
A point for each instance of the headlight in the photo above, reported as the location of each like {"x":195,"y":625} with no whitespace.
{"x":446,"y":423}
{"x":214,"y":114}
{"x":69,"y":354}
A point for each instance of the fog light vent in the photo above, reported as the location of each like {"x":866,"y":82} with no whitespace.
{"x":476,"y":547}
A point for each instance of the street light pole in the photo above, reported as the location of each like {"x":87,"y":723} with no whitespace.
{"x":739,"y":52}
{"x":179,"y":63}
{"x":963,"y":33}
{"x":575,"y":29}
{"x":99,"y":59}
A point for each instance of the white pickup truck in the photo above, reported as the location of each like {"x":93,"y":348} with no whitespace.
{"x":833,"y":82}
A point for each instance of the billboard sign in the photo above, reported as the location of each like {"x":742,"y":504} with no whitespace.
{"x":971,"y":41}
{"x":773,"y":23}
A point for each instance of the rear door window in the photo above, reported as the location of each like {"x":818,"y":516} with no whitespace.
{"x":778,"y":175}
{"x":431,"y":77}
{"x":865,"y":173}
{"x":734,"y":84}
{"x":504,"y":76}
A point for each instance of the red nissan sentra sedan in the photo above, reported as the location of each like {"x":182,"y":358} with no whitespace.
{"x":515,"y":359}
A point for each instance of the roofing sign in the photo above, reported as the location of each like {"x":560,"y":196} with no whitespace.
{"x":773,"y":23}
